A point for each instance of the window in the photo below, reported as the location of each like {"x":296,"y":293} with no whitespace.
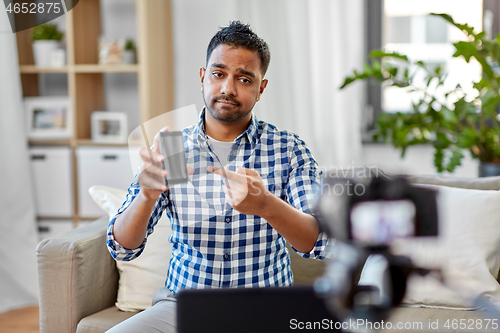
{"x":405,"y":26}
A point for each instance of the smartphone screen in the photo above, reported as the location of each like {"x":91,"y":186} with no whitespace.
{"x":172,"y":149}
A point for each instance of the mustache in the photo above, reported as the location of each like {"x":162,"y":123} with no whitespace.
{"x":227,"y":98}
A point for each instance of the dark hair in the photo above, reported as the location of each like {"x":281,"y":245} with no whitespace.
{"x":238,"y":34}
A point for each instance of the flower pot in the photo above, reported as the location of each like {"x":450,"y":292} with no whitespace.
{"x":489,"y":169}
{"x":128,"y":57}
{"x":42,"y":50}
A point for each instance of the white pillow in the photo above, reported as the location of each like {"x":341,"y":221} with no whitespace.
{"x":467,"y":250}
{"x":142,"y":277}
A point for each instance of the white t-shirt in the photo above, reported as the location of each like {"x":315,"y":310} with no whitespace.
{"x":221,"y":149}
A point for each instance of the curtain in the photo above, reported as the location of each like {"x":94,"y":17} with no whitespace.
{"x":314,"y":45}
{"x":18,"y":234}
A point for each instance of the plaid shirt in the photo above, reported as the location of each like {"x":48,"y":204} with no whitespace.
{"x":213,"y":245}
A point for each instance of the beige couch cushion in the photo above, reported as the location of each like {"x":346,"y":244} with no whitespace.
{"x":102,"y":321}
{"x":486,"y":183}
{"x":466,"y":250}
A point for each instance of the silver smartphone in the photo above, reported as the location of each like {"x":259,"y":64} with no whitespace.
{"x":171,"y":146}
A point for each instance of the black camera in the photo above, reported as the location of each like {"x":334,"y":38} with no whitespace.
{"x":375,"y":212}
{"x":363,"y":217}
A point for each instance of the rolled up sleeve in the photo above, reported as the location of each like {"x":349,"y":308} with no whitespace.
{"x":304,"y":183}
{"x":117,"y":251}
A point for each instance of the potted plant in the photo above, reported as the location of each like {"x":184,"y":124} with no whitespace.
{"x":129,"y":53}
{"x":452,"y":124}
{"x":45,"y":39}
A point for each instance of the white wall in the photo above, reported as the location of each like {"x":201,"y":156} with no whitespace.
{"x":118,"y":22}
{"x":18,"y":233}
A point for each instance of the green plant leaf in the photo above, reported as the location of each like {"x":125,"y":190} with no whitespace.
{"x":464,"y":27}
{"x":392,"y":70}
{"x":382,"y":54}
{"x":455,"y":160}
{"x":465,"y":49}
{"x":449,"y":116}
{"x":438,"y":70}
{"x":46,"y":31}
{"x":347,"y":81}
{"x":439,"y":160}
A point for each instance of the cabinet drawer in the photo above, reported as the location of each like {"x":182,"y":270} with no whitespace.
{"x":52,"y":169}
{"x":105,"y":166}
{"x":51,"y":228}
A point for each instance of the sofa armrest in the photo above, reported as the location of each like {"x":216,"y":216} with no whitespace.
{"x":76,"y":275}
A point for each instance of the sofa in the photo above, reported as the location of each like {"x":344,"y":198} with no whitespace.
{"x":78,"y":280}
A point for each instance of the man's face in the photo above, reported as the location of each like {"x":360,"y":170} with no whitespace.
{"x":232,"y":83}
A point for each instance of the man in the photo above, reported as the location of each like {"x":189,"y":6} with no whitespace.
{"x":229,"y":222}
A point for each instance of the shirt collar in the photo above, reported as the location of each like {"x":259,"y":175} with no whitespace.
{"x":250,"y":133}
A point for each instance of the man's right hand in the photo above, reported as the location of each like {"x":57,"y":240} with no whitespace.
{"x":151,"y":174}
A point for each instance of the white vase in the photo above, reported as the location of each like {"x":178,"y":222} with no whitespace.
{"x":128,"y":57}
{"x":42,"y":50}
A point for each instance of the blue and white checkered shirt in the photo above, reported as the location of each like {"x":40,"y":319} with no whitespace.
{"x":213,"y":245}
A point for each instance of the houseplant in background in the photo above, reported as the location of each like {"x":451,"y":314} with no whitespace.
{"x":129,"y":53}
{"x":454,"y":123}
{"x":45,"y":39}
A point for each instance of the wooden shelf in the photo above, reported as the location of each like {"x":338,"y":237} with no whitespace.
{"x":77,"y":143}
{"x":106,"y":68}
{"x":32,"y":69}
{"x":75,"y":219}
{"x":50,"y":142}
{"x":54,"y":218}
{"x":84,"y":142}
{"x":81,"y":218}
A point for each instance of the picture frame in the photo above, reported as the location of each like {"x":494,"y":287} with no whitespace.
{"x":109,"y":127}
{"x":48,"y":118}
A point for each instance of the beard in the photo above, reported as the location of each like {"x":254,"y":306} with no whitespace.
{"x":225,"y":114}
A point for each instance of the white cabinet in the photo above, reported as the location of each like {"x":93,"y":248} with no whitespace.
{"x":105,"y":166}
{"x":52,"y":174}
{"x":51,"y":228}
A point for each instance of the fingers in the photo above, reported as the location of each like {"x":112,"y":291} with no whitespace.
{"x":152,"y":177}
{"x":152,"y":184}
{"x":164,"y":129}
{"x":248,"y":172}
{"x":153,"y":170}
{"x":234,"y":176}
{"x":150,"y":157}
{"x":151,"y":173}
{"x":156,"y":147}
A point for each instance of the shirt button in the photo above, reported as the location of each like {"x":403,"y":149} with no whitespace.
{"x":226,"y":256}
{"x":228,"y":220}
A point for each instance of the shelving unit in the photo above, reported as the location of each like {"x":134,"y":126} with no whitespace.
{"x":85,"y":76}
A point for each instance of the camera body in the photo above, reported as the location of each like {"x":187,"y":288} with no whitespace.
{"x":363,"y":217}
{"x":377,"y":211}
